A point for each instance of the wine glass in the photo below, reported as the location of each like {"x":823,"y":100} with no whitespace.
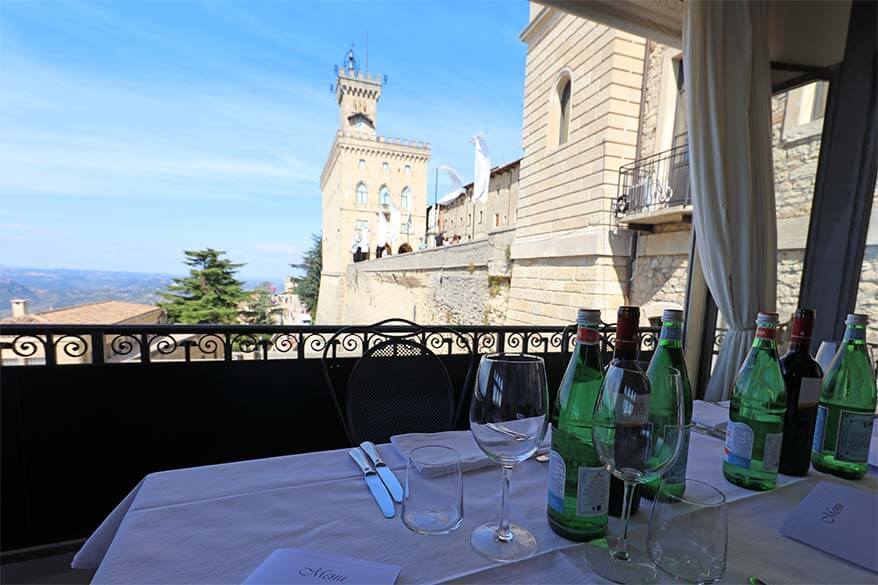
{"x":508,"y":421}
{"x":637,"y":432}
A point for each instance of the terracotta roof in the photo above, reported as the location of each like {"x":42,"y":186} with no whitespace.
{"x":100,"y":313}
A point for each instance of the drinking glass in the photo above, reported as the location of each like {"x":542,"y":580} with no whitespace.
{"x":688,"y":533}
{"x":637,"y":432}
{"x":432,"y":501}
{"x":508,"y":421}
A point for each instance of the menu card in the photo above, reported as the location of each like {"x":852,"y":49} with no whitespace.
{"x":840,"y":520}
{"x":296,"y":565}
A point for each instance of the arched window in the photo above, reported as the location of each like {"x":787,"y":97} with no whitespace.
{"x":564,"y":111}
{"x":560,"y":110}
{"x":384,"y":195}
{"x":362,"y":164}
{"x":362,"y":193}
{"x":406,"y":198}
{"x":385,"y":167}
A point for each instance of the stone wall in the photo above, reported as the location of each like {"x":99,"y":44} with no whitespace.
{"x":462,"y":284}
{"x":651,"y":99}
{"x":549,"y":290}
{"x":867,"y":294}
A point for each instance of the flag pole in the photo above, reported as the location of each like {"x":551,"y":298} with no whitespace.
{"x":436,"y":205}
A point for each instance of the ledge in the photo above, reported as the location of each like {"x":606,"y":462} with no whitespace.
{"x":480,"y":252}
{"x":671,"y":214}
{"x":590,"y":241}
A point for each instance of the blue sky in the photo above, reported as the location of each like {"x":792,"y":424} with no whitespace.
{"x":130,"y":131}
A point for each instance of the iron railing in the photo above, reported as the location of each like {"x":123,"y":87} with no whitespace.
{"x":52,"y":345}
{"x":654,"y":183}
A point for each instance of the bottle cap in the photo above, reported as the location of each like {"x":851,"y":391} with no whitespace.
{"x":856,"y":319}
{"x":672,"y":315}
{"x":588,"y":317}
{"x":628,"y":319}
{"x":803,"y":325}
{"x":766,"y":319}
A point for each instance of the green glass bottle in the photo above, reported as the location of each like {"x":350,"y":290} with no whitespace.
{"x":846,"y":410}
{"x":669,"y":354}
{"x":756,"y":413}
{"x":579,"y":485}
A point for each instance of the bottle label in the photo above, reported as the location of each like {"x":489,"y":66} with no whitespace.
{"x":854,"y":436}
{"x":809,"y":391}
{"x":771,"y":453}
{"x":677,"y":473}
{"x":593,"y":492}
{"x":855,"y":333}
{"x":671,"y":333}
{"x":766,"y":333}
{"x":819,"y":428}
{"x":739,"y":445}
{"x":587,"y":336}
{"x":557,"y":479}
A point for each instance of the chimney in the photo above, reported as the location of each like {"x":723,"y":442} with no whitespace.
{"x":19,"y":307}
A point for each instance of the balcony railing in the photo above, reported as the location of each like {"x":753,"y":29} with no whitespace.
{"x":654,"y":184}
{"x":52,"y":345}
{"x":88,"y":411}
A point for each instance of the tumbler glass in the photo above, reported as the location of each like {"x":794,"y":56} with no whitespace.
{"x":433,"y":493}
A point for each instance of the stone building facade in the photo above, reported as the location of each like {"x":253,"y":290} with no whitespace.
{"x":470,"y":220}
{"x":581,"y":106}
{"x":366,"y":175}
{"x":597,"y":101}
{"x":660,"y":267}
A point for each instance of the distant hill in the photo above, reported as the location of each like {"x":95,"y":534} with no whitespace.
{"x":47,"y":289}
{"x":55,"y":288}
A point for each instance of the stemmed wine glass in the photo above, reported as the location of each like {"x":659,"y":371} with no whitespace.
{"x":508,"y":421}
{"x":637,"y":432}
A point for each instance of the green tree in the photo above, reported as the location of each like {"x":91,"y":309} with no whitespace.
{"x":259,"y":308}
{"x":308,"y":286}
{"x":210,"y":294}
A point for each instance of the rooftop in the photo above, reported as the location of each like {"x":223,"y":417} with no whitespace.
{"x":99,"y":313}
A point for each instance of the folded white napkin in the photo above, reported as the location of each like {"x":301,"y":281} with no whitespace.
{"x":471,"y":455}
{"x":711,"y":415}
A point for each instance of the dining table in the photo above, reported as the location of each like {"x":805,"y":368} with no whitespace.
{"x":217,"y":523}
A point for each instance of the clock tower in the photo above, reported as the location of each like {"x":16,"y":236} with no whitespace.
{"x":357,"y":96}
{"x":374,"y":188}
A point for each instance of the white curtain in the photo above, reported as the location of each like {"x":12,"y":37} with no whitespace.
{"x":728,"y":103}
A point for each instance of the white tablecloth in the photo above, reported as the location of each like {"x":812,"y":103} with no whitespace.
{"x":215,"y":524}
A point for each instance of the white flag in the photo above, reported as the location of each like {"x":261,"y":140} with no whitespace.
{"x":482,"y":171}
{"x":456,"y":185}
{"x":381,"y":230}
{"x":394,"y":224}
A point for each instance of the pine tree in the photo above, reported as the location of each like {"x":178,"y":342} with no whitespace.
{"x":308,"y":286}
{"x":210,"y":294}
{"x":259,"y":309}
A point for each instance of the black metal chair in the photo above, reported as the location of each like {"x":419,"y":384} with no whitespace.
{"x":398,"y":385}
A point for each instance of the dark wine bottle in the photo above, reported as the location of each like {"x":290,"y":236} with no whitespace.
{"x":624,"y":349}
{"x":802,"y":376}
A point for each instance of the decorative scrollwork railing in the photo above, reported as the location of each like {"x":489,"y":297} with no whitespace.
{"x":51,"y":345}
{"x":654,"y":182}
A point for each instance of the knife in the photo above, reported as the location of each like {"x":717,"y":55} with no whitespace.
{"x":383,"y":471}
{"x":379,"y":492}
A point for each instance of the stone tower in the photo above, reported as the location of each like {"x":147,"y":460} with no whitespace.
{"x":366,"y":175}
